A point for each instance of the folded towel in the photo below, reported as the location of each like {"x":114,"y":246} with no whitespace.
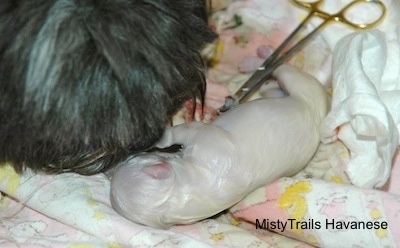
{"x":364,"y":113}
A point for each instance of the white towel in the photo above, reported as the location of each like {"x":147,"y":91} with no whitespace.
{"x":365,"y":113}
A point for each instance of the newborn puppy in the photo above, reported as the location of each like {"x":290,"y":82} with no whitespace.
{"x":220,"y":163}
{"x":85,"y":83}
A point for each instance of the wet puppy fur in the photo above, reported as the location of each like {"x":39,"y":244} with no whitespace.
{"x":86,"y":83}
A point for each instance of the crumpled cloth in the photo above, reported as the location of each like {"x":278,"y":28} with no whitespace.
{"x":365,"y":113}
{"x":320,"y":198}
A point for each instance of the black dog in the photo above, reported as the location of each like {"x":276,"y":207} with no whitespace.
{"x":85,"y":83}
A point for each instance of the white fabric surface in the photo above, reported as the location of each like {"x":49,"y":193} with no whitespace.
{"x":365,"y":115}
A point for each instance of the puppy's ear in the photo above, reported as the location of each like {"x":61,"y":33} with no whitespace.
{"x":180,"y":134}
{"x":159,"y":171}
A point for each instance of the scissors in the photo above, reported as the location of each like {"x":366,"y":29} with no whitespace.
{"x":264,"y":72}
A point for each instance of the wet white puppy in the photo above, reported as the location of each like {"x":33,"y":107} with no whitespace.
{"x":220,"y":163}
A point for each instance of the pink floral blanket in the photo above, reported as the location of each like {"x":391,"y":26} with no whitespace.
{"x":325,"y":205}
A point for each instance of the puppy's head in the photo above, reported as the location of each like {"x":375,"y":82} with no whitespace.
{"x":86,"y":82}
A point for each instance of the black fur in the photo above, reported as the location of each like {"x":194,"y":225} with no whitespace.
{"x":84,"y":83}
